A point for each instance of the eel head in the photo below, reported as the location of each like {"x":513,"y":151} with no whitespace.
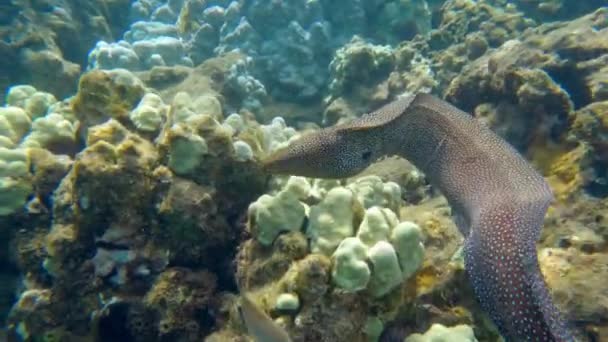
{"x":335,"y":152}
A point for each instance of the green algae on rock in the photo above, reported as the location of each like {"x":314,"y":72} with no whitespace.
{"x":106,"y":94}
{"x":47,"y":43}
{"x":119,"y":213}
{"x":355,"y":251}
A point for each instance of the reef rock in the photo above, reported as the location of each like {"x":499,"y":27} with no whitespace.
{"x":45,"y":43}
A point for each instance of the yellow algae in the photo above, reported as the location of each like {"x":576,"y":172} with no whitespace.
{"x":106,"y":94}
{"x":564,"y":174}
{"x":561,"y":165}
{"x":543,"y":154}
{"x":433,"y":228}
{"x":426,"y":279}
{"x":462,"y":312}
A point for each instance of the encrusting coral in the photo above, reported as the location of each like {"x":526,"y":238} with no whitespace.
{"x":357,"y":245}
{"x":290,"y":43}
{"x":538,"y":92}
{"x":34,"y":129}
{"x":45,"y":43}
{"x":439,"y":333}
{"x":126,"y":205}
{"x":106,"y":94}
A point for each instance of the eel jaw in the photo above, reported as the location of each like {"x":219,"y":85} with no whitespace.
{"x":311,"y":155}
{"x":283,"y":162}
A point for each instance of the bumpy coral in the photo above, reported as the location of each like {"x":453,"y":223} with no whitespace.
{"x":537,"y":101}
{"x":440,"y":333}
{"x":365,"y":76}
{"x":131,"y":203}
{"x":531,"y":69}
{"x":495,"y":22}
{"x":15,"y":184}
{"x":249,"y":91}
{"x":576,"y":287}
{"x":14,"y":123}
{"x":106,"y":94}
{"x":31,"y":123}
{"x":290,"y":42}
{"x":114,"y":160}
{"x":270,"y":216}
{"x":181,"y":296}
{"x":123,"y":207}
{"x":45,"y":42}
{"x":466,"y":30}
{"x":356,"y":243}
{"x":150,"y":114}
{"x":359,"y":63}
{"x":53,"y":132}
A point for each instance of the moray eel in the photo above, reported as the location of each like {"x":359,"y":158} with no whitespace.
{"x":497,"y":198}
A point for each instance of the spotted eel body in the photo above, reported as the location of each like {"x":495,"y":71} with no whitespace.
{"x":498,"y":200}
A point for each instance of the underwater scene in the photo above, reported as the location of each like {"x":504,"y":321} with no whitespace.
{"x":303,"y":170}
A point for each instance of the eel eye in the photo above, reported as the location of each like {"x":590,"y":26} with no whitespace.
{"x":366,"y":155}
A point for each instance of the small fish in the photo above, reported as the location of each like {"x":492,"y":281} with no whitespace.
{"x":261,"y":327}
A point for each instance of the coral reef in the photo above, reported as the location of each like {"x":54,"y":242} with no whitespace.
{"x":106,"y":94}
{"x":575,"y":286}
{"x":553,"y":10}
{"x":133,"y":206}
{"x":45,"y":43}
{"x":465,"y":31}
{"x":290,"y":42}
{"x":538,"y":90}
{"x":133,"y":210}
{"x":180,"y":296}
{"x":31,"y":123}
{"x":247,"y":89}
{"x":357,"y":244}
{"x":14,"y":181}
{"x":439,"y":333}
{"x":358,"y":63}
{"x":516,"y":86}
